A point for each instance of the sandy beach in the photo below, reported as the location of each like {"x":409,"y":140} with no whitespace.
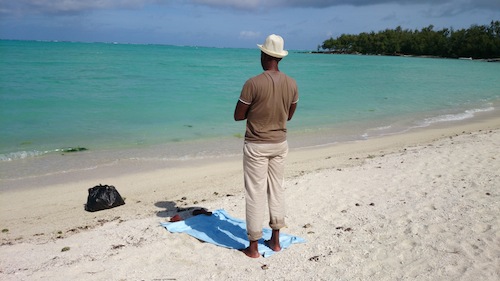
{"x":422,"y":205}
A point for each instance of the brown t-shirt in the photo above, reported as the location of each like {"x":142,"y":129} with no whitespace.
{"x":270,"y":96}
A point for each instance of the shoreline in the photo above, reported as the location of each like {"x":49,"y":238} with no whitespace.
{"x":398,"y":55}
{"x":62,"y":168}
{"x":406,"y":177}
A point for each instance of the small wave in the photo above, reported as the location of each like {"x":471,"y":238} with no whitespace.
{"x":21,"y":155}
{"x":403,"y":127}
{"x":382,"y":130}
{"x":454,"y":117}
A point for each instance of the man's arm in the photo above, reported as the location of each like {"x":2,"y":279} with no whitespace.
{"x":291,"y":111}
{"x":240,"y":112}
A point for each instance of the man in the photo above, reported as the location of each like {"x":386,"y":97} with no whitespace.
{"x":267,"y":102}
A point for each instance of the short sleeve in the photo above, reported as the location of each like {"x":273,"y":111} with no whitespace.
{"x":247,"y":92}
{"x":295,"y":98}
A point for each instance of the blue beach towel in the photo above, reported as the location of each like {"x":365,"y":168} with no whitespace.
{"x":223,"y":230}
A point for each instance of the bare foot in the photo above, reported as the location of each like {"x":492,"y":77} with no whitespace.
{"x":252,"y":250}
{"x":274,"y":242}
{"x":250,"y":253}
{"x":273,"y":245}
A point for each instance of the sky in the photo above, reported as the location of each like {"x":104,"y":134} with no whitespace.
{"x":304,"y":24}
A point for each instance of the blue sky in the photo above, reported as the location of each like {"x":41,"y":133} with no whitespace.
{"x":304,"y":24}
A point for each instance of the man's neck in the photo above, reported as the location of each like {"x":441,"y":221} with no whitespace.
{"x":269,"y":63}
{"x":272,"y":67}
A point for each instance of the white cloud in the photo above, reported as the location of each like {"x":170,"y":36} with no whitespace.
{"x":239,"y":4}
{"x":54,"y":7}
{"x":258,"y":4}
{"x":250,"y":34}
{"x":67,"y":6}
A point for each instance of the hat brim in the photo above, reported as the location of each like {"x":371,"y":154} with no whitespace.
{"x":273,"y":54}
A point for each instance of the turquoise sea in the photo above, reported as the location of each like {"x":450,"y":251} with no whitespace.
{"x":124,"y":102}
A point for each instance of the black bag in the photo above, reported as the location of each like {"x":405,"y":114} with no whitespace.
{"x":103,"y":197}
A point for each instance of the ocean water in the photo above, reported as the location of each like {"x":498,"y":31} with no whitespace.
{"x":169,"y":103}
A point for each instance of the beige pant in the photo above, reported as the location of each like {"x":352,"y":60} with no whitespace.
{"x":263,"y":167}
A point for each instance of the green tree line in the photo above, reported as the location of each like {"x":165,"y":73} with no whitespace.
{"x":478,"y":42}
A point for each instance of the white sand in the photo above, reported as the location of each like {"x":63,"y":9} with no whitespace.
{"x":420,"y":206}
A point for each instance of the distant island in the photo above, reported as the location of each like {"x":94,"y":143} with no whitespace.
{"x":476,"y":42}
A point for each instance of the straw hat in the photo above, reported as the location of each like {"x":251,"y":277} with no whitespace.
{"x":274,"y":46}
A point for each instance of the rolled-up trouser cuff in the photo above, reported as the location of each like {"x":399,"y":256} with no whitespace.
{"x":254,"y":236}
{"x":277,"y":224}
